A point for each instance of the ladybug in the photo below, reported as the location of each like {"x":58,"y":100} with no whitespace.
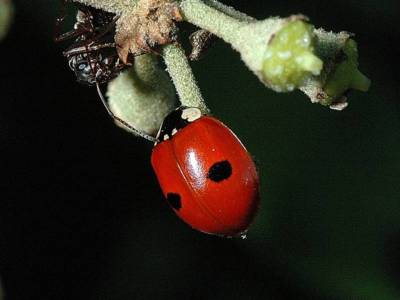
{"x":206,"y":174}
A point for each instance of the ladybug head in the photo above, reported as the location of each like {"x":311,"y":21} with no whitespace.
{"x":176,"y":120}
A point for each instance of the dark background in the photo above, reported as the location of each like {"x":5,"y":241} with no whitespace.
{"x":82,"y":216}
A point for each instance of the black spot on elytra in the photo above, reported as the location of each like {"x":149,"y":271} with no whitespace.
{"x":174,"y":200}
{"x":219,"y":171}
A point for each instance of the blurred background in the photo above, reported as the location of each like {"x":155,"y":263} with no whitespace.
{"x":82,"y":216}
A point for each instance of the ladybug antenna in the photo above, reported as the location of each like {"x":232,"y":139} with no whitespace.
{"x":126,"y":124}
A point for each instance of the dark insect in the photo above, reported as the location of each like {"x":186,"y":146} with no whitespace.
{"x":93,"y":55}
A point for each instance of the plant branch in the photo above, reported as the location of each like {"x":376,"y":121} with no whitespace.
{"x":229,"y":10}
{"x":281,"y":64}
{"x":212,"y":19}
{"x":284,"y":53}
{"x":181,"y":73}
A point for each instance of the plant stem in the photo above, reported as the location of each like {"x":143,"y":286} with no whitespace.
{"x":212,"y":19}
{"x":229,"y":10}
{"x":181,"y":73}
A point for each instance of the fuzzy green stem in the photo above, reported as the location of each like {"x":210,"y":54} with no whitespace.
{"x":229,"y":10}
{"x":181,"y":73}
{"x":264,"y":53}
{"x":212,"y":19}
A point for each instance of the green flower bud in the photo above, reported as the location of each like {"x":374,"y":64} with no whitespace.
{"x":346,"y":74}
{"x":289,"y":59}
{"x":143,"y":95}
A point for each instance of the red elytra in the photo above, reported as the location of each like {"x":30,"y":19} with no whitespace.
{"x":208,"y":177}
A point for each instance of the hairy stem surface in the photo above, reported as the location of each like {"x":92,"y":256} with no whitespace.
{"x":181,"y":73}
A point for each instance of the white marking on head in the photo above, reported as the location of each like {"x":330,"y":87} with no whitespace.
{"x":191,"y":114}
{"x":166,"y":137}
{"x":174,"y":131}
{"x":339,"y":105}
